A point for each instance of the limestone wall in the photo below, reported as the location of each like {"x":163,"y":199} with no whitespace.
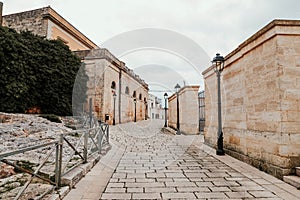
{"x":188,"y":110}
{"x":104,"y":69}
{"x":48,"y":23}
{"x":260,"y":99}
{"x":30,"y":20}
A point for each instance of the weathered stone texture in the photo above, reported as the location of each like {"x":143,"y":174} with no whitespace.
{"x":260,"y":99}
{"x":48,"y":23}
{"x":103,"y":69}
{"x":188,"y":115}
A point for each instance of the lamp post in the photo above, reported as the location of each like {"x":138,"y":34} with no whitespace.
{"x":177,"y":87}
{"x":114,"y":117}
{"x":134,"y":101}
{"x":218,"y":61}
{"x":166,"y":97}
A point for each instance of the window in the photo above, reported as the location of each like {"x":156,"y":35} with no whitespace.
{"x":134,"y":94}
{"x":113,"y":85}
{"x":127,"y":90}
{"x":140,"y":97}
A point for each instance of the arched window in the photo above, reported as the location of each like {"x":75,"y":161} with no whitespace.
{"x":113,"y":85}
{"x":140,"y":97}
{"x":134,"y":94}
{"x":127,"y":90}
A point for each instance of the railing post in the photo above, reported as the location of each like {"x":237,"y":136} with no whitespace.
{"x":58,"y":161}
{"x":90,"y":112}
{"x":100,"y":137}
{"x":107,"y":133}
{"x":85,"y":146}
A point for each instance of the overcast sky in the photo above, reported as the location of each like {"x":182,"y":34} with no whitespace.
{"x":214,"y":25}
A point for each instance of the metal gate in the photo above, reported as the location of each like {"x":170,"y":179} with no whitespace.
{"x":201,"y":100}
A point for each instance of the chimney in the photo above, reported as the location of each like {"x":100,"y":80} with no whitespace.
{"x":1,"y":7}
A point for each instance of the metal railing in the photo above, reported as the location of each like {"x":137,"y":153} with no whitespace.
{"x":79,"y":145}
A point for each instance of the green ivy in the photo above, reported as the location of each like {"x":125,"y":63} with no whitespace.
{"x":36,"y":72}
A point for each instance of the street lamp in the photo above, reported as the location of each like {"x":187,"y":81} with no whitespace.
{"x":177,"y":87}
{"x":218,"y":61}
{"x":114,"y":117}
{"x":166,"y":97}
{"x":134,"y":101}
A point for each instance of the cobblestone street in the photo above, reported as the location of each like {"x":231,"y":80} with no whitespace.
{"x":145,"y":163}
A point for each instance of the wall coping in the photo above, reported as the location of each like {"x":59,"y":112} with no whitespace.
{"x":103,"y":53}
{"x":182,"y":90}
{"x":258,"y":34}
{"x":51,"y":14}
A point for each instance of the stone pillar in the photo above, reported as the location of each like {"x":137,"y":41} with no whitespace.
{"x":1,"y":8}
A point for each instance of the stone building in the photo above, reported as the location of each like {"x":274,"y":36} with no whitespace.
{"x":188,"y":110}
{"x":155,"y":110}
{"x":48,"y":23}
{"x":260,"y":89}
{"x":109,"y":76}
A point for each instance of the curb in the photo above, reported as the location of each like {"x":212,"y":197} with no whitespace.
{"x":74,"y":176}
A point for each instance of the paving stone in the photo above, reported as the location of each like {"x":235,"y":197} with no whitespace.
{"x":175,"y":175}
{"x":160,"y":189}
{"x":195,"y":175}
{"x":246,"y":188}
{"x":233,"y":195}
{"x":262,"y":194}
{"x":181,"y":180}
{"x":144,"y":180}
{"x":178,"y":195}
{"x":124,"y":180}
{"x":225,"y":183}
{"x":217,"y":174}
{"x":118,"y":185}
{"x":247,"y":183}
{"x":136,"y":175}
{"x":180,"y":184}
{"x":193,"y":189}
{"x":115,"y":190}
{"x":135,"y":190}
{"x":206,"y":183}
{"x":164,"y":179}
{"x":219,"y":189}
{"x":156,"y":184}
{"x":119,"y":175}
{"x":116,"y":196}
{"x":155,"y":175}
{"x":146,"y":196}
{"x":211,"y":195}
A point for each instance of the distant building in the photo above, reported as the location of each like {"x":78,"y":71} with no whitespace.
{"x":155,"y":108}
{"x":48,"y":23}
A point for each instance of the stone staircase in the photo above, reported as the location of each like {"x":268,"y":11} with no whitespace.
{"x":293,"y":180}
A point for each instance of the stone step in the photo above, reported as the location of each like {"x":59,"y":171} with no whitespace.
{"x":292,"y":180}
{"x":298,"y":171}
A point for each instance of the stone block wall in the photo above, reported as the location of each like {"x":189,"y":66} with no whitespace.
{"x":188,"y":110}
{"x":48,"y":23}
{"x":29,"y":20}
{"x":260,"y":99}
{"x":103,"y":69}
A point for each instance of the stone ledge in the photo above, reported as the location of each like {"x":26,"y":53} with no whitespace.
{"x":292,"y":180}
{"x":298,"y":171}
{"x":74,"y":176}
{"x":168,"y":130}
